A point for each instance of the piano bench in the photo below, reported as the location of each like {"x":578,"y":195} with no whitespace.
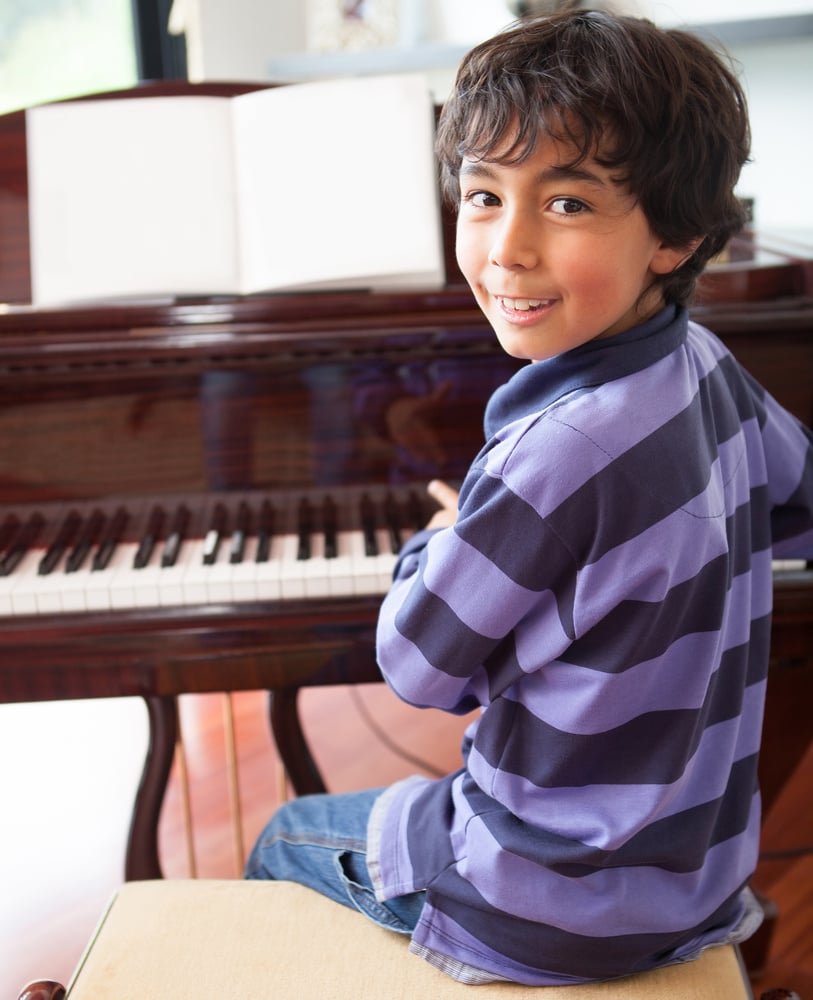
{"x":218,"y":940}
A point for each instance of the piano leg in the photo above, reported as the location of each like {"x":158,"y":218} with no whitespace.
{"x":354,"y":663}
{"x":142,"y":845}
{"x":291,"y":744}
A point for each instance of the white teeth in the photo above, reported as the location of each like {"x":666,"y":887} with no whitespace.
{"x":521,"y":305}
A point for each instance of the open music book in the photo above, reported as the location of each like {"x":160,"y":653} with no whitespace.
{"x":324,"y":185}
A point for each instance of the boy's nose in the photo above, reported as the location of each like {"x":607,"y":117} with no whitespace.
{"x":515,"y":245}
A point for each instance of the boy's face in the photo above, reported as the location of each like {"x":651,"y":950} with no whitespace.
{"x":556,"y":256}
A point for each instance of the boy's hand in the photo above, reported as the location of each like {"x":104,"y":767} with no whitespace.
{"x":447,"y":498}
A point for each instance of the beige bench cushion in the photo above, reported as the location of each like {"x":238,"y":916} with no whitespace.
{"x":229,"y":940}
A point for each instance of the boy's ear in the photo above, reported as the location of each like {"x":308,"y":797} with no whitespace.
{"x":667,"y":259}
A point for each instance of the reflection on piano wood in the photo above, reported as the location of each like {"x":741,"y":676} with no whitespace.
{"x":223,"y":401}
{"x":188,"y":550}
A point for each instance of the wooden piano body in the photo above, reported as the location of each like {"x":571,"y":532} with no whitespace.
{"x":225,"y":399}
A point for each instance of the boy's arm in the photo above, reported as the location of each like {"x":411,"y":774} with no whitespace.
{"x":789,"y":456}
{"x":446,"y":628}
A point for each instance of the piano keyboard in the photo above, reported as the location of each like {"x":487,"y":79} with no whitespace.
{"x":225,"y":549}
{"x":232,"y":548}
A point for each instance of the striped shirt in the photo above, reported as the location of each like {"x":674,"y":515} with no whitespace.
{"x":605,"y":599}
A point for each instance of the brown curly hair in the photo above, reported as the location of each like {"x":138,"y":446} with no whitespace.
{"x":659,"y":107}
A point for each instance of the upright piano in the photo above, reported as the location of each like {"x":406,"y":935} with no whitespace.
{"x":206,"y":494}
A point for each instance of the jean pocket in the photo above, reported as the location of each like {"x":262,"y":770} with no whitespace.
{"x":352,"y":869}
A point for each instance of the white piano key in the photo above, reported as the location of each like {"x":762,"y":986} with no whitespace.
{"x":340,"y":569}
{"x":316,"y":570}
{"x":291,"y":574}
{"x":218,"y":577}
{"x":48,"y":589}
{"x":17,"y":594}
{"x":174,"y":589}
{"x":268,"y":574}
{"x":194,"y":572}
{"x":74,"y":589}
{"x":120,"y":577}
{"x":97,"y":588}
{"x":365,"y":568}
{"x":244,"y":575}
{"x":146,"y":582}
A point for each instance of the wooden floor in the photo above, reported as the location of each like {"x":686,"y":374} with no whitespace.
{"x":69,"y":772}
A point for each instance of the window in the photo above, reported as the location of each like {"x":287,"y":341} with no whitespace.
{"x":52,"y":49}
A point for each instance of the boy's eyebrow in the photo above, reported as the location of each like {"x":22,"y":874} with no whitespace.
{"x":571,"y":173}
{"x":483,"y":168}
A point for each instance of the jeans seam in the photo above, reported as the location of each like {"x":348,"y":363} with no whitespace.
{"x":314,"y":840}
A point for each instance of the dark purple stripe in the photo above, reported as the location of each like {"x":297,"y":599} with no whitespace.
{"x":677,"y":843}
{"x":652,"y":748}
{"x":542,"y":947}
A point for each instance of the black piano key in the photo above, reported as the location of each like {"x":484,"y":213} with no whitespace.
{"x":392,"y":516}
{"x":26,"y":537}
{"x":330,"y":525}
{"x":265,"y":532}
{"x":214,"y":535}
{"x":304,"y":528}
{"x":88,"y":536}
{"x":368,"y":525}
{"x":150,"y":538}
{"x":175,"y":537}
{"x":242,"y":529}
{"x":64,"y":537}
{"x":112,"y":536}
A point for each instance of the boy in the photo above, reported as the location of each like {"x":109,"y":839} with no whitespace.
{"x":602,"y":587}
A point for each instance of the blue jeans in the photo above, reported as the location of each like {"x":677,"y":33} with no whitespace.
{"x":321,"y":841}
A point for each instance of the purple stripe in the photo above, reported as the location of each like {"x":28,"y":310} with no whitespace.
{"x":651,"y":748}
{"x":580,"y":699}
{"x":477,"y":591}
{"x":667,"y":392}
{"x":606,"y":816}
{"x":636,"y":571}
{"x":440,"y":930}
{"x":789,"y":442}
{"x":411,"y":675}
{"x":656,"y":901}
{"x":541,"y":955}
{"x":564,"y":451}
{"x":564,"y":446}
{"x":755,"y":449}
{"x":564,"y":442}
{"x":705,"y":348}
{"x":730,"y":483}
{"x":584,"y":701}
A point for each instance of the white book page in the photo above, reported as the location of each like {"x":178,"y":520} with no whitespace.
{"x":337,"y":185}
{"x":130,"y":198}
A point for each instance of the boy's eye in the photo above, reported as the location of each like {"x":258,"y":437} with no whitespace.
{"x":481,"y":199}
{"x":568,"y":206}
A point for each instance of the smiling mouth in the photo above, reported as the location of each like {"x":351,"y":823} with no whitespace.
{"x":521,"y":305}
